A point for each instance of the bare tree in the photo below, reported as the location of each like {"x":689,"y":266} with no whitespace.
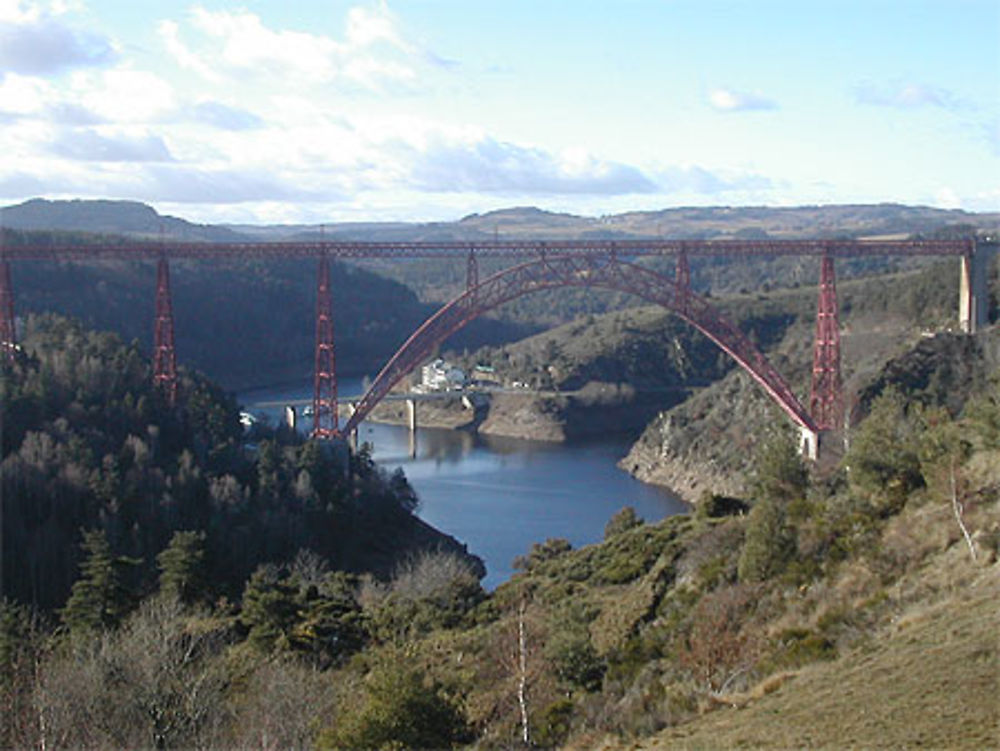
{"x":155,"y":683}
{"x":280,"y":704}
{"x":958,"y":508}
{"x":522,"y":674}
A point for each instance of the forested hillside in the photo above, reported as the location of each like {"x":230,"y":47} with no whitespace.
{"x":245,"y":323}
{"x":809,"y":589}
{"x":252,"y":306}
{"x":91,"y":452}
{"x":697,"y":445}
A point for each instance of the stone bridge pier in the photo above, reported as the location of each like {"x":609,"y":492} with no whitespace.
{"x":973,"y":290}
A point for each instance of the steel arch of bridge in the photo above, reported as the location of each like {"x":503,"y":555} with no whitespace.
{"x":606,"y":272}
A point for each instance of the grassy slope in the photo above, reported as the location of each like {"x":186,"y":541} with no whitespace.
{"x":931,"y":679}
{"x":912,"y":621}
{"x":916,"y":639}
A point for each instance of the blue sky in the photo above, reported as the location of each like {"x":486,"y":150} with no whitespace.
{"x":277,"y":111}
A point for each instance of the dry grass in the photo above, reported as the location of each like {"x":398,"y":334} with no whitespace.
{"x":931,"y":681}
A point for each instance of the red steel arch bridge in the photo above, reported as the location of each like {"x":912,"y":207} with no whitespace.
{"x":537,"y":265}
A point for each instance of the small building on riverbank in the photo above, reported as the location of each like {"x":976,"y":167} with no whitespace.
{"x":441,"y":375}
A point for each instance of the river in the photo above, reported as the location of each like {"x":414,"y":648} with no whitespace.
{"x":500,"y":495}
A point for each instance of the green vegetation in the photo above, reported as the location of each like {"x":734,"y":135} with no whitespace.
{"x":399,"y":710}
{"x":261,"y":314}
{"x":178,"y":584}
{"x":893,"y":329}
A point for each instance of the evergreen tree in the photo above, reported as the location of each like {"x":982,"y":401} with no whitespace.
{"x":99,"y":598}
{"x":883,"y":461}
{"x":182,"y":567}
{"x":779,"y":473}
{"x":769,"y":543}
{"x":623,"y":520}
{"x":271,"y":605}
{"x":332,"y":624}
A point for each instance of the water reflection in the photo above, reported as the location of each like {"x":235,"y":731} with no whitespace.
{"x":499,"y":495}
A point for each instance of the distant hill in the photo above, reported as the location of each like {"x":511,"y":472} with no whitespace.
{"x":376,"y":316}
{"x":862,"y":220}
{"x":109,"y":218}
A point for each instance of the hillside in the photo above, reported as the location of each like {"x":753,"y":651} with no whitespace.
{"x":857,"y":605}
{"x":88,"y":443}
{"x":244,"y":323}
{"x":615,"y":372}
{"x":109,"y":218}
{"x":697,"y":446}
{"x":702,"y":222}
{"x":844,"y":607}
{"x":928,"y":679}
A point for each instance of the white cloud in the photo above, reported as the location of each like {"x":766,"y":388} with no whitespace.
{"x":487,"y":165}
{"x":19,"y":12}
{"x":187,"y":184}
{"x":947,"y":198}
{"x":23,"y":95}
{"x":88,"y":145}
{"x":368,"y":26}
{"x":124,"y":95}
{"x":372,"y":54}
{"x":220,"y":115}
{"x":169,"y":33}
{"x":904,"y":95}
{"x":702,"y":181}
{"x":730,"y":100}
{"x":34,"y":42}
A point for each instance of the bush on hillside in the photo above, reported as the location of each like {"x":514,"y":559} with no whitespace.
{"x":401,"y":708}
{"x":622,"y":521}
{"x":769,"y":543}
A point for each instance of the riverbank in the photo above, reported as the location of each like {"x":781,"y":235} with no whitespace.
{"x":494,"y":494}
{"x":597,"y":410}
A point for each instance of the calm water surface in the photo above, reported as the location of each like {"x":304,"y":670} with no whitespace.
{"x":500,"y":495}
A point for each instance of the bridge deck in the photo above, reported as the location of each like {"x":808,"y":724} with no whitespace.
{"x":145,"y":249}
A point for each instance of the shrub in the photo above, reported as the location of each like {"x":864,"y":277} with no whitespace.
{"x":800,"y":646}
{"x":780,"y":473}
{"x":433,"y":590}
{"x":622,"y":521}
{"x":768,"y":546}
{"x":721,"y":646}
{"x":576,"y":661}
{"x":553,"y":724}
{"x":883,"y":462}
{"x":713,"y":506}
{"x":541,"y":552}
{"x":401,"y":709}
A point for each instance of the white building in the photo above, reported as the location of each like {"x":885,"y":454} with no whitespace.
{"x":441,"y":376}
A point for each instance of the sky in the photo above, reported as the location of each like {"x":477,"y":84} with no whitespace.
{"x":289,"y":111}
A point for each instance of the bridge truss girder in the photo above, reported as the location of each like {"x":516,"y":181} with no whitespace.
{"x":325,"y":407}
{"x":164,"y":355}
{"x":8,"y":328}
{"x":599,"y":271}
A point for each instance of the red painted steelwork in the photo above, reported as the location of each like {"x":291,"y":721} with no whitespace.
{"x":471,"y":271}
{"x":8,"y":326}
{"x":135,"y":250}
{"x":325,"y":408}
{"x":579,"y":271}
{"x":826,"y":397}
{"x":164,"y":357}
{"x":682,"y":275}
